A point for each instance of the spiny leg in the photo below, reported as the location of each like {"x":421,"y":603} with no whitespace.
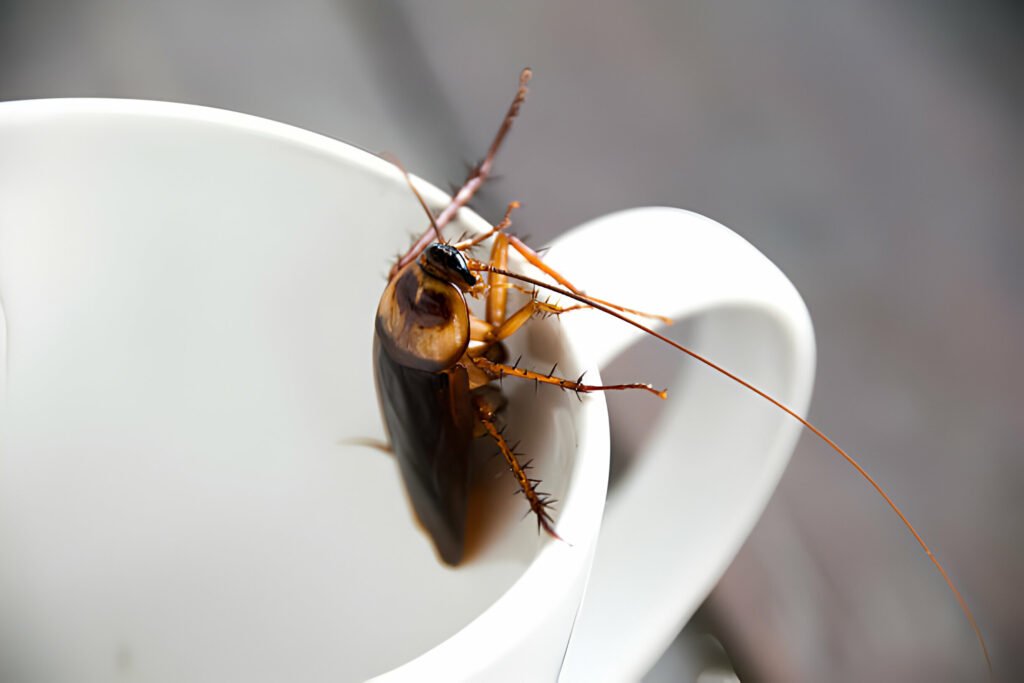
{"x":511,"y":325}
{"x":462,"y":245}
{"x":539,"y":501}
{"x":494,"y":286}
{"x":477,"y":177}
{"x":497,"y":285}
{"x":500,"y":370}
{"x":481,"y":330}
{"x":534,"y":259}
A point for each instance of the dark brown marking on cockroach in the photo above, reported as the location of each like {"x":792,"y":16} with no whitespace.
{"x":423,"y":321}
{"x":422,"y":307}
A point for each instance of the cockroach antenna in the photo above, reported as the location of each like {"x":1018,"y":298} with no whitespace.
{"x":419,"y":198}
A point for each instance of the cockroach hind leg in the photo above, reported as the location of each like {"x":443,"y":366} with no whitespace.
{"x":545,"y":522}
{"x":562,"y":382}
{"x":539,"y":503}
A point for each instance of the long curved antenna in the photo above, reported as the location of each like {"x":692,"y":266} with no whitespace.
{"x":419,"y":198}
{"x":478,"y":265}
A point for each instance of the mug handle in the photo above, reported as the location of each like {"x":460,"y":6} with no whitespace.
{"x":713,"y":457}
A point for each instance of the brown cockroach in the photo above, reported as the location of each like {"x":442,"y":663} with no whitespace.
{"x":436,"y":364}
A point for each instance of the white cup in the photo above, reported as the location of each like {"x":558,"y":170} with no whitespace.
{"x":187,"y":298}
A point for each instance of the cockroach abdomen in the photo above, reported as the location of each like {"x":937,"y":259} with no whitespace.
{"x":429,"y":419}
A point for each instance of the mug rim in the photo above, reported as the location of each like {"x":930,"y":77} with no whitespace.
{"x":501,"y":630}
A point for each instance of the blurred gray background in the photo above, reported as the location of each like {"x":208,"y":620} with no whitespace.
{"x":871,"y":149}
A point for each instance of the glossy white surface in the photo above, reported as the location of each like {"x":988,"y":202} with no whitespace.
{"x":716,"y":451}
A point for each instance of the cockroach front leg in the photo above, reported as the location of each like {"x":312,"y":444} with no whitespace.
{"x":497,"y":295}
{"x":500,"y":370}
{"x":539,"y":501}
{"x":490,"y":333}
{"x":534,"y":259}
{"x":498,"y":325}
{"x":464,"y":244}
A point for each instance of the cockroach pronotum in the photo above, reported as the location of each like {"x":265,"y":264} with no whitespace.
{"x":436,"y":364}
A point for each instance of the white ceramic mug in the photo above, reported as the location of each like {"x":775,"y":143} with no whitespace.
{"x":187,"y":299}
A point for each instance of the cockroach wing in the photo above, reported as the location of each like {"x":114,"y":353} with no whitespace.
{"x":429,"y":418}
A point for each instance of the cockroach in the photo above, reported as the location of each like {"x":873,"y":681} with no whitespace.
{"x":436,"y":365}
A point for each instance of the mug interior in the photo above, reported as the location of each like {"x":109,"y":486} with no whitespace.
{"x":185,"y":486}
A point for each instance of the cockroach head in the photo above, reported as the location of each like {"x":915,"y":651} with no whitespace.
{"x":447,"y":263}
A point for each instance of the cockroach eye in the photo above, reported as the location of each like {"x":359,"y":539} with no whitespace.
{"x":447,"y":263}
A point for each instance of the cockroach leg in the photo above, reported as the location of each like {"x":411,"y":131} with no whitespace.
{"x":479,"y":329}
{"x":475,"y":180}
{"x":500,"y":325}
{"x":534,"y":259}
{"x":502,"y":370}
{"x":508,"y":327}
{"x":539,"y":501}
{"x":497,"y":295}
{"x":532,"y":308}
{"x":462,"y":243}
{"x":547,"y":309}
